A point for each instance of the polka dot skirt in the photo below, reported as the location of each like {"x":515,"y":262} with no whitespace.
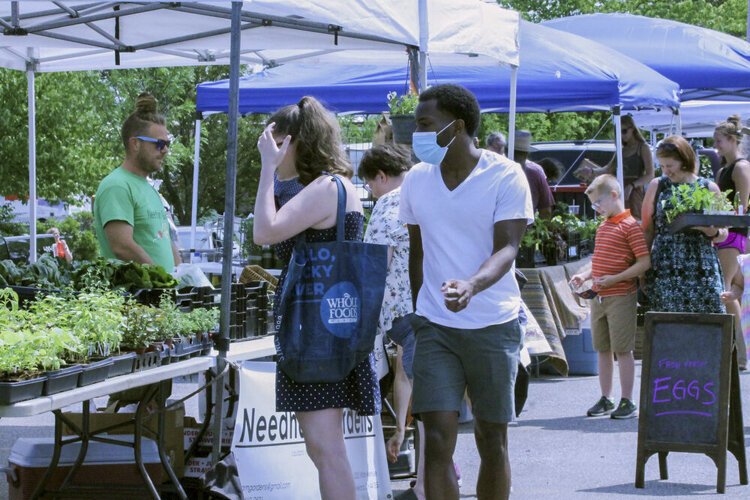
{"x":360,"y":390}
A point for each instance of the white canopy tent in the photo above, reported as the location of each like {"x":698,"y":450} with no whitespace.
{"x":78,"y":35}
{"x":697,"y":118}
{"x":47,"y":36}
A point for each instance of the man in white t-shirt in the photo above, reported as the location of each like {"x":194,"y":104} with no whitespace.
{"x":466,"y":211}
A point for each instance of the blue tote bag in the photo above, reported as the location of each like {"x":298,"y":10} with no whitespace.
{"x":330,"y":304}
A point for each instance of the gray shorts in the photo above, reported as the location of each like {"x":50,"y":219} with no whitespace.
{"x":447,"y":361}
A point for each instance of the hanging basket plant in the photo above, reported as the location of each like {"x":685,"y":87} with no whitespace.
{"x":403,"y":123}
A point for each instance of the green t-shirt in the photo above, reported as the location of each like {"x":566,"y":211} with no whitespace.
{"x":125,"y":196}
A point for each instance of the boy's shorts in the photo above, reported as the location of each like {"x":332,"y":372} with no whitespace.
{"x":448,"y":360}
{"x":402,"y":333}
{"x":613,"y":322}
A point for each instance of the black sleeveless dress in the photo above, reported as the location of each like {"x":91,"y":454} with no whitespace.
{"x":360,"y":390}
{"x":633,"y":168}
{"x":726,"y":184}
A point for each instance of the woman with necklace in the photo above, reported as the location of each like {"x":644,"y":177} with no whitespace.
{"x":685,"y":274}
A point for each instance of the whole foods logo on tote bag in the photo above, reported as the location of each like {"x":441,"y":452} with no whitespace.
{"x":340,"y":309}
{"x":330,"y":305}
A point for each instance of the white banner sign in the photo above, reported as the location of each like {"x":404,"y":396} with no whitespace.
{"x":270,"y":451}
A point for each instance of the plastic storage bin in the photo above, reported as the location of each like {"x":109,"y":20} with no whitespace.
{"x":106,"y":464}
{"x":580,"y":353}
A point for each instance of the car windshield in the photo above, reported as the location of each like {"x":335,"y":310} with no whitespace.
{"x":569,"y":156}
{"x":17,"y":247}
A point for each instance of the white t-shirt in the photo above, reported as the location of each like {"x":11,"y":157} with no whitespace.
{"x":457,"y":230}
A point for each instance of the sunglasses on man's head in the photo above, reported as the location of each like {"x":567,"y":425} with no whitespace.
{"x":160,"y":143}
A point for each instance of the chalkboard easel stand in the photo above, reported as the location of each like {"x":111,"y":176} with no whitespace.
{"x":729,"y":431}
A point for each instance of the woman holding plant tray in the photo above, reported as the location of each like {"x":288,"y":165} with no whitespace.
{"x":685,"y":275}
{"x":733,"y":179}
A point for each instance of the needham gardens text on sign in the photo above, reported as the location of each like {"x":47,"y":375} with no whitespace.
{"x":282,"y":428}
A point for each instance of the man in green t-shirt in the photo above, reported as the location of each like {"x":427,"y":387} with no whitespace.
{"x":129,"y":217}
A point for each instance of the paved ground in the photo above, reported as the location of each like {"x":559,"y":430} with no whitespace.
{"x":555,"y":451}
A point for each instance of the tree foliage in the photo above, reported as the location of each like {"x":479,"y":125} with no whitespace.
{"x":728,"y":16}
{"x":72,"y":148}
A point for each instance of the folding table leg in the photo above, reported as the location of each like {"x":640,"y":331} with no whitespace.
{"x":86,"y":408}
{"x":41,"y":487}
{"x":161,"y":400}
{"x":138,"y":434}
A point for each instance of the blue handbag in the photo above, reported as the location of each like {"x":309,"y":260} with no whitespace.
{"x":330,"y":304}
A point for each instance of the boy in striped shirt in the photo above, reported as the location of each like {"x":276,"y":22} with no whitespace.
{"x":620,"y":256}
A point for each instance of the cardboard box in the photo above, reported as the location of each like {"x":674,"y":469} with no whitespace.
{"x":173,"y":426}
{"x":197,"y":466}
{"x":105,"y":465}
{"x":191,"y":428}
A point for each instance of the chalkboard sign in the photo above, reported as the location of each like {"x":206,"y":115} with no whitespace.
{"x":687,"y":389}
{"x":682,"y":399}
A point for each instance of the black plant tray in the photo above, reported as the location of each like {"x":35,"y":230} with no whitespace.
{"x":147,"y":360}
{"x":179,"y":351}
{"x":686,"y":221}
{"x":95,"y":372}
{"x":61,"y":380}
{"x":123,"y":364}
{"x":13,"y":392}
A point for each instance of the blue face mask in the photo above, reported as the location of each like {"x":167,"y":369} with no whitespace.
{"x":426,"y":147}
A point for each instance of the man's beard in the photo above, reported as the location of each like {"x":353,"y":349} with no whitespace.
{"x":147,"y":164}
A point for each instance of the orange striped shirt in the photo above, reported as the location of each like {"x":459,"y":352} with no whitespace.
{"x":619,"y":242}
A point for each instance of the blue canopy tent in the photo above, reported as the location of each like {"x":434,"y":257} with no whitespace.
{"x":707,"y":64}
{"x":558,"y":72}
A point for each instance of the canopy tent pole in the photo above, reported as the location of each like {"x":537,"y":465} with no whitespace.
{"x":679,"y":122}
{"x":31,"y":96}
{"x":424,"y":37}
{"x":510,"y":150}
{"x":229,"y":207}
{"x":196,"y":173}
{"x":618,"y":149}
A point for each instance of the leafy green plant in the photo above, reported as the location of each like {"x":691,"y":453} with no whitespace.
{"x":589,"y":227}
{"x":694,"y":198}
{"x":402,"y":104}
{"x":130,"y":276}
{"x":140,"y":325}
{"x":535,"y":236}
{"x":7,"y":226}
{"x":30,"y":341}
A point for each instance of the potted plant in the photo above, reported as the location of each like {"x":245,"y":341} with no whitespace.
{"x":531,"y":244}
{"x":401,"y":108}
{"x":588,"y":234}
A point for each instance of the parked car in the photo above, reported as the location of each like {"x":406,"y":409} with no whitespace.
{"x":16,"y":248}
{"x":570,"y":154}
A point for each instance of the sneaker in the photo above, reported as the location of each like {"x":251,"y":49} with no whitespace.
{"x":626,"y":409}
{"x":602,"y":407}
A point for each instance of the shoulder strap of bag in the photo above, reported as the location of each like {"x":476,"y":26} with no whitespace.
{"x":341,"y":209}
{"x":300,"y":239}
